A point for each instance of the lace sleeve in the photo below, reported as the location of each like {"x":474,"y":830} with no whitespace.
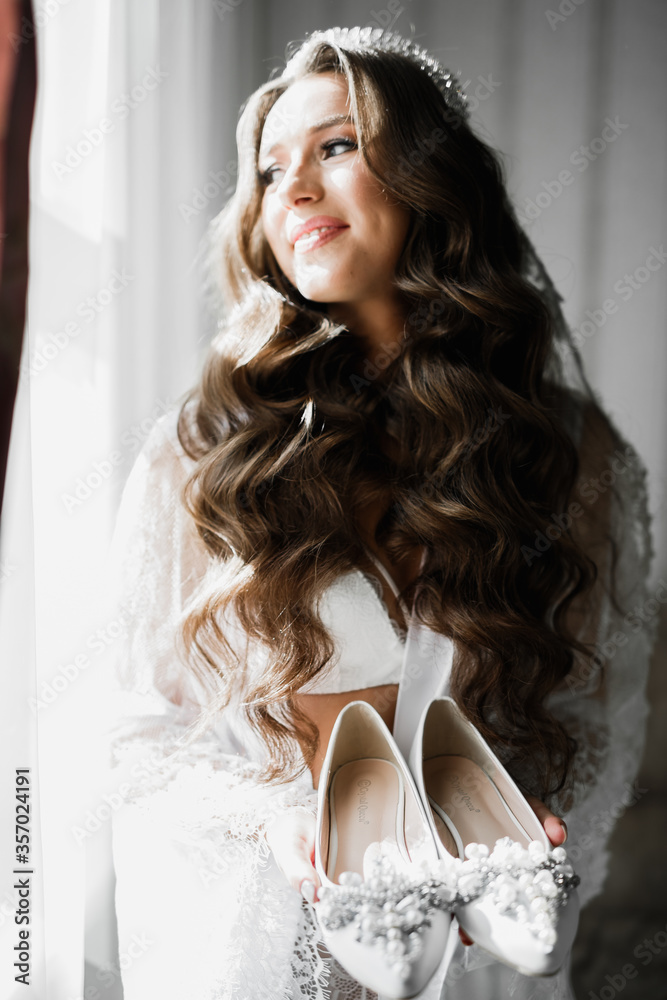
{"x":603,"y":702}
{"x":194,"y":872}
{"x":158,"y":562}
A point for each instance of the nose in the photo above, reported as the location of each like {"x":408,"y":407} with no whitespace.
{"x":299,"y":184}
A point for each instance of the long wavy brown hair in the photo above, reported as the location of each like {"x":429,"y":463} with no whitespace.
{"x":285,"y":428}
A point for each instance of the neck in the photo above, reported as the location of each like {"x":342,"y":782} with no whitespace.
{"x":378,"y":323}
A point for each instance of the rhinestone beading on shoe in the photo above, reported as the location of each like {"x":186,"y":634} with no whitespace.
{"x":390,"y":910}
{"x":528,"y":884}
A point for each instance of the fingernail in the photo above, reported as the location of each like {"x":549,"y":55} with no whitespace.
{"x":308,"y":890}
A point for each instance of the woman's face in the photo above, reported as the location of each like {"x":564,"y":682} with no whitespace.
{"x":315,"y":177}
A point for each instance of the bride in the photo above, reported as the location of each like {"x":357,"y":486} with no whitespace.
{"x":391,"y":422}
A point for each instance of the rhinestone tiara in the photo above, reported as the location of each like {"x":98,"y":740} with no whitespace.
{"x":381,"y":40}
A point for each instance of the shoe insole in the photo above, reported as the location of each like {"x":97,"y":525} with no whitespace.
{"x":364,"y":801}
{"x":472,"y":801}
{"x":445,"y":836}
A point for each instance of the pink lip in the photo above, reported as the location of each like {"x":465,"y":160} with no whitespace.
{"x":320,"y":240}
{"x":314,"y":223}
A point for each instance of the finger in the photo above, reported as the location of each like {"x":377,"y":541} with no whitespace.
{"x":301,"y":874}
{"x":307,"y":884}
{"x":555,"y":828}
{"x":309,"y":890}
{"x":291,"y":839}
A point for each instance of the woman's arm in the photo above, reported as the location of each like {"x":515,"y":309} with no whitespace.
{"x":194,"y":872}
{"x":158,"y":562}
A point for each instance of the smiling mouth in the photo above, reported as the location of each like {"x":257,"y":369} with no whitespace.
{"x":317,"y":238}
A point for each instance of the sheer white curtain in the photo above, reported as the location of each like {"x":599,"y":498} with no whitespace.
{"x":132,"y":154}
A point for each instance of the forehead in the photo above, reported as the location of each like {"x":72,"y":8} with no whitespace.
{"x":307,"y":105}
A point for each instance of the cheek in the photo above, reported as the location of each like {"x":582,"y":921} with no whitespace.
{"x":268,"y":225}
{"x":272,"y":226}
{"x":384,"y":217}
{"x":391,"y":227}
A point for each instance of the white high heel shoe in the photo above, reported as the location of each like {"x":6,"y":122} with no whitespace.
{"x":382,"y":914}
{"x":515,"y":893}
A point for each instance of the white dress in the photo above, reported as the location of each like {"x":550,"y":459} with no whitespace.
{"x":203,"y":912}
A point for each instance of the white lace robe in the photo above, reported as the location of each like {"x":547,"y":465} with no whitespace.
{"x":203,"y":912}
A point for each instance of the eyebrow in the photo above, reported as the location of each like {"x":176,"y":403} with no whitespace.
{"x":319,"y":126}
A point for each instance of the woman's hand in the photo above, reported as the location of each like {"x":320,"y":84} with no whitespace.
{"x":291,"y":838}
{"x":555,"y":829}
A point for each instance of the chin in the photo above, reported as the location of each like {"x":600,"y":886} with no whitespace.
{"x":318,"y":296}
{"x":312,"y":299}
{"x":323,"y":288}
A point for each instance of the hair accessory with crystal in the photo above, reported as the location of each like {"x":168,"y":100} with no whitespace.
{"x":369,"y":38}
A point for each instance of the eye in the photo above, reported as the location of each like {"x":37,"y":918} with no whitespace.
{"x":345,"y":143}
{"x":266,"y":176}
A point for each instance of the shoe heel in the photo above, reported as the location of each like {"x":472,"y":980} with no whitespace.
{"x":383,"y":916}
{"x":516,"y":894}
